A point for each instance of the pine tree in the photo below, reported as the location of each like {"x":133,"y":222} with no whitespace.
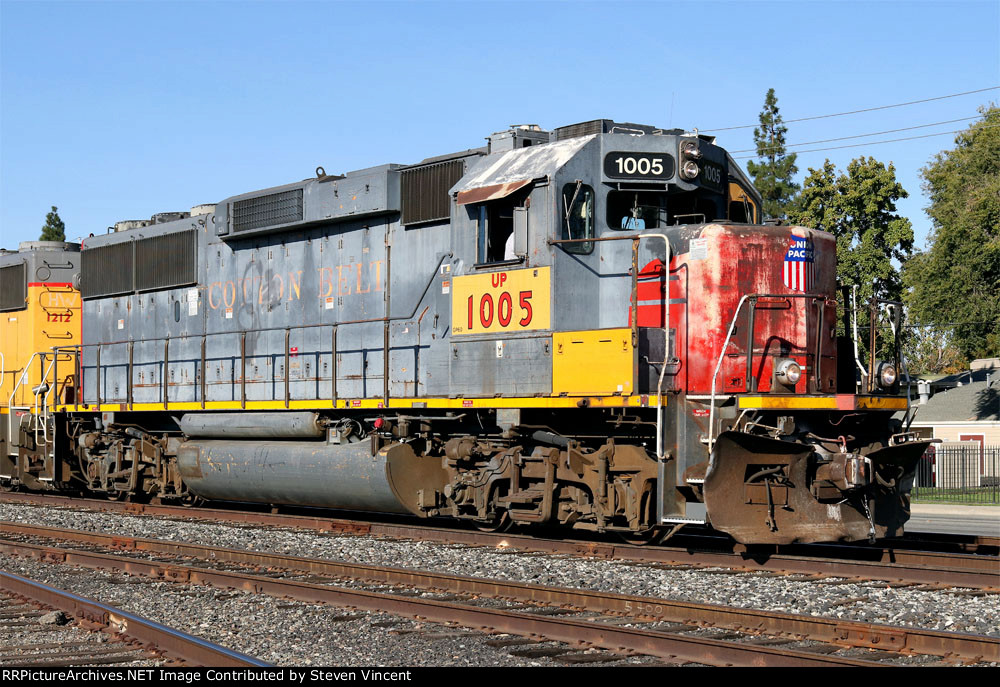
{"x":773,"y":174}
{"x":54,"y":229}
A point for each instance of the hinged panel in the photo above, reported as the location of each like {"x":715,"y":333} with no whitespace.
{"x":592,"y":362}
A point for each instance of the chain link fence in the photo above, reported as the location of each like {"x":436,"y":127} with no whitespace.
{"x":965,"y":472}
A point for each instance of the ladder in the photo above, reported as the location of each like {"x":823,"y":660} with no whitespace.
{"x":36,"y":416}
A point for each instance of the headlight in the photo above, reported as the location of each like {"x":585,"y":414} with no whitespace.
{"x":788,"y":372}
{"x":886,"y":375}
{"x":689,"y":170}
{"x":689,"y":149}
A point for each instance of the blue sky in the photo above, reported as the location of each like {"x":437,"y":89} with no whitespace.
{"x":118,"y":110}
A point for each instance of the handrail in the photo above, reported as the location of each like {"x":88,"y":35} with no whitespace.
{"x":10,"y":402}
{"x":2,"y":373}
{"x":77,"y":349}
{"x":732,"y":325}
{"x":279,"y":328}
{"x":53,"y":367}
{"x":854,"y":339}
{"x":715,"y":374}
{"x":38,"y":392}
{"x":635,"y":238}
{"x":867,"y":382}
{"x":20,"y":380}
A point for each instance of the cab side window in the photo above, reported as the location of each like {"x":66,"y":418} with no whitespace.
{"x":495,"y":221}
{"x":742,"y":207}
{"x":496,"y":226}
{"x":637,"y":209}
{"x":577,"y":205}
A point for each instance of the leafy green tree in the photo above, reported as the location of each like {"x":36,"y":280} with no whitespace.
{"x":930,"y":351}
{"x":859,"y":208}
{"x":817,"y":206}
{"x":773,"y":174}
{"x":54,"y":229}
{"x":955,"y":284}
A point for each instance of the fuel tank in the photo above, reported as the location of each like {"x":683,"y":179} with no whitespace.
{"x":303,"y":425}
{"x":303,"y":473}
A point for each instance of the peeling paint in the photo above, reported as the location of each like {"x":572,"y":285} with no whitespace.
{"x":521,"y":164}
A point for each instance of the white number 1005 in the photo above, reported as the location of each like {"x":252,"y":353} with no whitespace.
{"x":642,"y":165}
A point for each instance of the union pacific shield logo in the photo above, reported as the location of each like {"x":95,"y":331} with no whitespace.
{"x":799,"y":269}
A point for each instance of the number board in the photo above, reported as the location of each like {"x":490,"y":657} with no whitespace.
{"x":513,"y":301}
{"x":629,"y":165}
{"x":712,"y":175}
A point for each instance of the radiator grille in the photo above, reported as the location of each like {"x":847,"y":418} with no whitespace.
{"x":106,"y":270}
{"x":13,"y":287}
{"x":167,"y":261}
{"x":272,"y":210}
{"x":425,"y":191}
{"x":596,"y":126}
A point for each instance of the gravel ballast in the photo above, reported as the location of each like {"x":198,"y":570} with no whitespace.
{"x":868,"y":602}
{"x":290,"y":633}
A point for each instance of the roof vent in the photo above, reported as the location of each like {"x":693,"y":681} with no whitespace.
{"x":607,"y":126}
{"x":128,"y":224}
{"x":164,"y":217}
{"x":518,"y":136}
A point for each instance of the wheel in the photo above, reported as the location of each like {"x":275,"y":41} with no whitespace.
{"x":502,"y":523}
{"x":650,"y":537}
{"x":191,"y":501}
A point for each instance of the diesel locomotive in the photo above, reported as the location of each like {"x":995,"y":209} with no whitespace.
{"x":589,"y":327}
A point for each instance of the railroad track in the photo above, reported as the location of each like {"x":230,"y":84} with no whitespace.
{"x":127,"y":638}
{"x":893,"y":562}
{"x":675,"y":631}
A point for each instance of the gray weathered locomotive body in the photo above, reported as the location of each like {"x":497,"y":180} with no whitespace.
{"x":587,"y":327}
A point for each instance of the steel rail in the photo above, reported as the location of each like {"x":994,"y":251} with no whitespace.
{"x":847,"y":633}
{"x":35,"y":648}
{"x":603,"y":635}
{"x":893,"y":564}
{"x":174,"y":643}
